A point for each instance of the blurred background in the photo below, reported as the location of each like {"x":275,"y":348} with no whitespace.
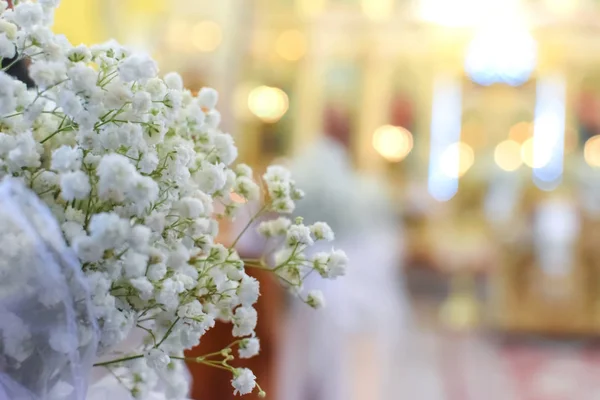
{"x":478,"y":119}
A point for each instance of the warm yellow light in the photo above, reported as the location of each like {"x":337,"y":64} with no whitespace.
{"x":508,"y":155}
{"x":451,"y":13}
{"x":310,"y":8}
{"x":521,"y":132}
{"x":457,"y":159}
{"x":591,"y":151}
{"x":527,"y":155}
{"x":268,"y":103}
{"x":377,"y":9}
{"x":291,"y":45}
{"x":392,"y":142}
{"x":206,"y":36}
{"x":562,"y":6}
{"x":178,"y":33}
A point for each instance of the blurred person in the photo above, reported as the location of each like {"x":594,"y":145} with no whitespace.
{"x":348,"y":349}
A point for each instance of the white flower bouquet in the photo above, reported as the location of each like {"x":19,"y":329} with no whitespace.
{"x":111,"y":181}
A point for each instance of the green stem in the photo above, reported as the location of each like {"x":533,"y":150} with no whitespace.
{"x":168,"y":332}
{"x":237,"y":239}
{"x":102,"y":364}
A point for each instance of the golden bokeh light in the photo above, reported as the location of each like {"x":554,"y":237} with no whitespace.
{"x":520,"y":132}
{"x":562,"y":7}
{"x":206,"y":36}
{"x":291,"y":45}
{"x":377,"y":10}
{"x":392,"y":142}
{"x":268,"y":103}
{"x":457,"y":159}
{"x":310,"y":8}
{"x":177,"y":36}
{"x":508,"y":155}
{"x":591,"y":151}
{"x":527,"y":155}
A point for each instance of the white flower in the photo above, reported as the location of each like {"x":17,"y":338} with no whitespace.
{"x":66,"y":159}
{"x":322,"y":231}
{"x":156,"y":272}
{"x":88,"y":249}
{"x":134,"y":264}
{"x":213,"y":119}
{"x":115,"y":174}
{"x":157,"y":359}
{"x":244,"y":321}
{"x":190,"y":310}
{"x":70,"y":103}
{"x":248,"y":291}
{"x":109,"y":229}
{"x":79,"y":54}
{"x":243,"y":381}
{"x":275,"y":227}
{"x":74,"y":185}
{"x":315,"y":299}
{"x":117,"y":94}
{"x":144,"y":287}
{"x":138,"y":67}
{"x":7,"y":94}
{"x":138,"y":175}
{"x":276,"y":173}
{"x":211,"y":177}
{"x":337,"y":264}
{"x":226,"y":150}
{"x":174,"y":81}
{"x":7,"y":47}
{"x":47,"y":73}
{"x":320,"y":261}
{"x":148,"y":163}
{"x":299,"y":235}
{"x":243,"y":170}
{"x":28,"y":15}
{"x":247,"y":188}
{"x":25,"y":154}
{"x":191,"y":207}
{"x":208,"y":98}
{"x":8,"y":28}
{"x":249,"y":348}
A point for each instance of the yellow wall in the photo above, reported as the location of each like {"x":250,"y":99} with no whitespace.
{"x":87,"y":21}
{"x":80,"y":21}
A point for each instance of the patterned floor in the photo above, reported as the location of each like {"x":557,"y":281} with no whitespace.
{"x":458,"y":367}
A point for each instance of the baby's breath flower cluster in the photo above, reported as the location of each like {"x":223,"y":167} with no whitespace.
{"x":132,"y":165}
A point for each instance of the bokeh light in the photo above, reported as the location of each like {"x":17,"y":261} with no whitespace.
{"x":520,"y":132}
{"x":393,"y":142}
{"x":591,"y":151}
{"x":501,"y":54}
{"x":177,"y":34}
{"x":268,"y":103}
{"x":377,"y":10}
{"x":527,"y":155}
{"x":459,"y":155}
{"x":310,"y":8}
{"x":291,"y":45}
{"x":206,"y":36}
{"x":507,"y":155}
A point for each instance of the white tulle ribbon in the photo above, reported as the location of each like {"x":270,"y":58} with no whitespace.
{"x":48,"y":336}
